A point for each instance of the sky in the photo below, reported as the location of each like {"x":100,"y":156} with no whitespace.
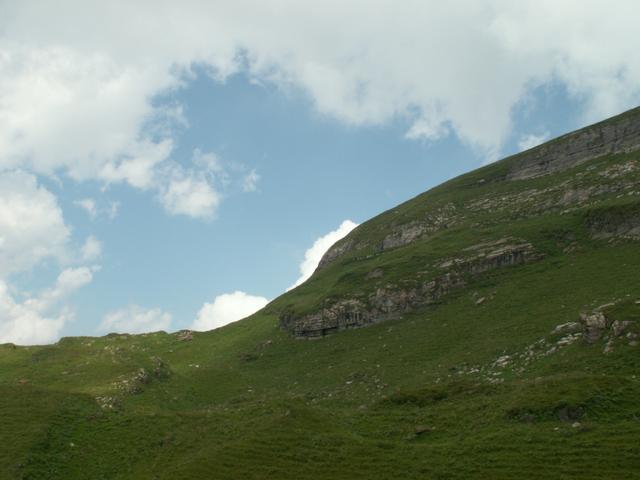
{"x":173,"y":165}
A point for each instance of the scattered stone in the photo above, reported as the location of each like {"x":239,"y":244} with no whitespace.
{"x":184,"y":335}
{"x":108,"y":402}
{"x":620,"y":327}
{"x":568,"y":339}
{"x":422,"y":429}
{"x":608,"y":348}
{"x":595,"y":324}
{"x":569,"y":327}
{"x":576,"y":424}
{"x":502,"y":361}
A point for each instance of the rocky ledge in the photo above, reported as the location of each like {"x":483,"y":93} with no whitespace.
{"x":618,"y":135}
{"x":391,"y":301}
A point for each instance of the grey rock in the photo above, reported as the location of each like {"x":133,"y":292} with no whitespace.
{"x":594,"y":325}
{"x":569,"y":327}
{"x":619,"y":327}
{"x":184,"y":335}
{"x":390,"y":301}
{"x":337,"y":249}
{"x":620,"y":135}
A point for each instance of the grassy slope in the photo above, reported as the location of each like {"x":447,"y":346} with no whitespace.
{"x":248,"y":401}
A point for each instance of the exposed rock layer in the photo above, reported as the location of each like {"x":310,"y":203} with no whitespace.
{"x":391,"y":301}
{"x":619,"y":135}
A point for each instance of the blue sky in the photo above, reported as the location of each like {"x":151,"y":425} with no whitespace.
{"x":151,"y":181}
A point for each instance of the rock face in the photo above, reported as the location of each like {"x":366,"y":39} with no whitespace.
{"x":615,"y":222}
{"x":595,"y":324}
{"x":380,"y":284}
{"x":391,"y":301}
{"x":619,"y":135}
{"x":400,"y":234}
{"x":407,"y":233}
{"x":338,"y":249}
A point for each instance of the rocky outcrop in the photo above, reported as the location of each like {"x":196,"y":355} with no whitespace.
{"x":184,"y":335}
{"x":597,"y":325}
{"x":594,"y":325}
{"x":623,"y":221}
{"x":618,"y":135}
{"x":407,"y":233}
{"x":390,"y":301}
{"x":400,"y":234}
{"x":338,"y":249}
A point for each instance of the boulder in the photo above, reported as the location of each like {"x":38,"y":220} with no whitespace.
{"x":594,"y":324}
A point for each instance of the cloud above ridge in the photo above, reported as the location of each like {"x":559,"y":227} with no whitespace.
{"x":314,"y":254}
{"x":441,"y":68}
{"x":135,"y":319}
{"x":227,"y":308}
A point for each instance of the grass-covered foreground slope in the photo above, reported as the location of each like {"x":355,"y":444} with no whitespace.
{"x":499,"y":377}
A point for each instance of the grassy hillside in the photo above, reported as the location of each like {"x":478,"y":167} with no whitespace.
{"x":498,"y":378}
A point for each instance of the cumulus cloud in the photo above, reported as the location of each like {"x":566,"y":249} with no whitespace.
{"x":88,"y":205}
{"x":227,"y":308}
{"x":314,"y":254}
{"x":112,"y":211}
{"x":32,"y":231}
{"x":441,"y":68}
{"x":39,"y":319}
{"x":532,"y":140}
{"x":135,"y":319}
{"x":32,"y":227}
{"x":92,"y":249}
{"x":230,"y":307}
{"x":189,"y":193}
{"x":250,"y":181}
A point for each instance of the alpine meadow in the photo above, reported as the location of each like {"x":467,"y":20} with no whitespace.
{"x":487,"y":328}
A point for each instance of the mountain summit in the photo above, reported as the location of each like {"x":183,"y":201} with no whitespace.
{"x":502,"y":315}
{"x":441,"y":241}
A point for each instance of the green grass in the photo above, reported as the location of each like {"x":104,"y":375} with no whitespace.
{"x":417,"y":398}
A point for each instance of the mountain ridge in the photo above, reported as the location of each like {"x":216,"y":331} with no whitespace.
{"x":509,"y":348}
{"x":523,"y":178}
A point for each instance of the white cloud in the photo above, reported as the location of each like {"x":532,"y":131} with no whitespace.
{"x":207,"y":161}
{"x":114,"y":208}
{"x":69,"y":280}
{"x":32,"y":227}
{"x":189,"y":193}
{"x":532,"y":140}
{"x":92,"y":249}
{"x":135,"y":319}
{"x":314,"y":254}
{"x":230,"y":307}
{"x":250,"y":181}
{"x":39,"y":319}
{"x":440,"y":67}
{"x":227,"y":308}
{"x":139,"y":165}
{"x":88,"y":205}
{"x":32,"y":231}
